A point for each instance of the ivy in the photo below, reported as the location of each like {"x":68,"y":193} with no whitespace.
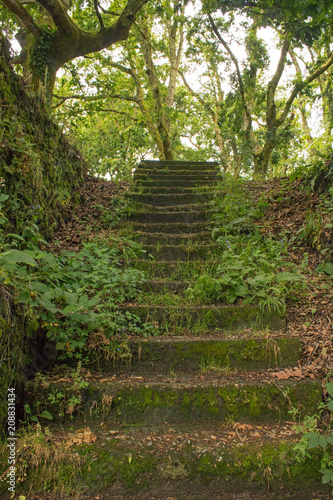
{"x":40,"y":59}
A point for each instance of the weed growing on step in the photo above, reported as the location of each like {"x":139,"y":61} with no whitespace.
{"x":252,"y":268}
{"x":48,"y":402}
{"x":164,"y":299}
{"x":42,"y":455}
{"x":212,"y":363}
{"x":317,"y":436}
{"x":111,"y":351}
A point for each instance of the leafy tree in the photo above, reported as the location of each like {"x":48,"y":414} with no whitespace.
{"x":140,"y":79}
{"x":305,"y":19}
{"x":53,"y":32}
{"x":257,"y":115}
{"x":276,"y":117}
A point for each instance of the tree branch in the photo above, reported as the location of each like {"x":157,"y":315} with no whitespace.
{"x":23,"y":15}
{"x":94,"y":42}
{"x":123,"y":69}
{"x":58,"y":12}
{"x":239,"y":76}
{"x":272,"y":85}
{"x":112,"y":110}
{"x":300,"y":86}
{"x":302,"y":108}
{"x":92,"y":98}
{"x":98,"y":14}
{"x":197,"y":96}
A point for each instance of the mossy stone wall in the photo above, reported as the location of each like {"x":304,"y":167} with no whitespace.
{"x":39,"y":169}
{"x":41,"y":172}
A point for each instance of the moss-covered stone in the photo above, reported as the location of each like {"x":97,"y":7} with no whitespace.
{"x":154,"y":402}
{"x":185,"y":252}
{"x":40,"y":171}
{"x":123,"y":465}
{"x":191,"y":354}
{"x":169,"y":199}
{"x":222,"y":317}
{"x":170,"y":227}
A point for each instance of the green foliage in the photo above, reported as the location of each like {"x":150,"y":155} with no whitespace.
{"x":304,"y":19}
{"x":40,"y":171}
{"x":56,"y":403}
{"x":252,"y":268}
{"x":315,"y":435}
{"x":74,"y":294}
{"x":317,"y":228}
{"x":40,"y":60}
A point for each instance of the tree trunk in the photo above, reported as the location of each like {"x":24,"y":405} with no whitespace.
{"x":261,"y":161}
{"x":160,"y":117}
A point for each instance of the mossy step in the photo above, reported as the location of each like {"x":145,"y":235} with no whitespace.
{"x":147,"y":183}
{"x":166,"y":217}
{"x":165,"y":355}
{"x":154,"y":400}
{"x":173,"y":239}
{"x":173,"y":270}
{"x":170,"y":199}
{"x":181,"y":175}
{"x":178,"y":165}
{"x":150,"y":190}
{"x":190,"y":207}
{"x":170,"y":227}
{"x":230,"y":317}
{"x":175,"y":465}
{"x":163,"y":286}
{"x":179,"y":252}
{"x":111,"y":462}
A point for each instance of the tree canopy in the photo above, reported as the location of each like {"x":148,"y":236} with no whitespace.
{"x":53,"y":32}
{"x":234,"y":80}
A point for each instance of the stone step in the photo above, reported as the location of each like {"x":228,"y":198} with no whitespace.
{"x":173,"y":239}
{"x":177,"y":189}
{"x":180,"y":252}
{"x":167,"y":217}
{"x":170,"y":227}
{"x":174,"y":270}
{"x":179,"y":165}
{"x":209,"y":317}
{"x":206,"y":400}
{"x":193,"y":354}
{"x":170,"y":199}
{"x":162,"y":286}
{"x":146,"y":175}
{"x":226,"y":461}
{"x":147,"y":183}
{"x":190,"y":207}
{"x":218,"y":355}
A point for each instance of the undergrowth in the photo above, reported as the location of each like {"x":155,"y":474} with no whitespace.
{"x":67,"y":302}
{"x":316,"y":434}
{"x":252,"y":267}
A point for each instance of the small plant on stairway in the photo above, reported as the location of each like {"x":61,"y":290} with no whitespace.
{"x":317,"y":437}
{"x":251,"y":269}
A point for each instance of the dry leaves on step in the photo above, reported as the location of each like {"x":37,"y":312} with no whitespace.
{"x":81,"y":436}
{"x":297,"y":373}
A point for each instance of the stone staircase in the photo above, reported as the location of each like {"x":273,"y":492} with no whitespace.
{"x":196,"y":412}
{"x":198,"y":409}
